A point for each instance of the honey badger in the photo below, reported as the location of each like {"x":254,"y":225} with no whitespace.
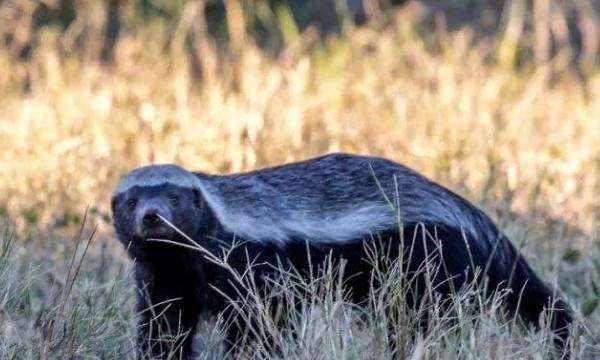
{"x":296,"y":214}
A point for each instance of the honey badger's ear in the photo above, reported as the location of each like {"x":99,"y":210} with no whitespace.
{"x":113,"y":203}
{"x":198,"y":200}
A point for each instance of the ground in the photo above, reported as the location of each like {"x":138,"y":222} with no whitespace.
{"x":472,"y":108}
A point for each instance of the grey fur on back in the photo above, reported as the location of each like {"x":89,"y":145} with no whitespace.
{"x":153,"y":175}
{"x":333,"y":198}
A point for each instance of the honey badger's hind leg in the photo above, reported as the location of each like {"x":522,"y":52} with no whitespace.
{"x":498,"y":267}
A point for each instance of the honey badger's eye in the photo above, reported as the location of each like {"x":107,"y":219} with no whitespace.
{"x":173,"y":199}
{"x":131,"y":203}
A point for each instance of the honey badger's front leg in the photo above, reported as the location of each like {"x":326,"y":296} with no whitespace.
{"x":167,"y":316}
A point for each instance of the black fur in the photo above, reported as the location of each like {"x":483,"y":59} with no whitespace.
{"x":179,"y":283}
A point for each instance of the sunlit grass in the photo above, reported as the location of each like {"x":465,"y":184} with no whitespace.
{"x":521,"y":141}
{"x":531,"y":134}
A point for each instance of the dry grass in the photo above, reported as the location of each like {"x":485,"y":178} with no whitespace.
{"x":523,"y":142}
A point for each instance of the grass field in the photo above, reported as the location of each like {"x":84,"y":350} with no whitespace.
{"x":517,"y":134}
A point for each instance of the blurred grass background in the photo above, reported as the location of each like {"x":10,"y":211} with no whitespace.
{"x":498,"y":100}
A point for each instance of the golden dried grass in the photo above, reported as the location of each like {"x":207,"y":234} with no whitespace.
{"x":444,"y":107}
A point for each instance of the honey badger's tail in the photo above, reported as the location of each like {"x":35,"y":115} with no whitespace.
{"x":531,"y":299}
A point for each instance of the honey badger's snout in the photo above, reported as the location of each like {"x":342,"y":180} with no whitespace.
{"x":148,"y":220}
{"x":151,"y":218}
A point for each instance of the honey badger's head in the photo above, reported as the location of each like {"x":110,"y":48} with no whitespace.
{"x":149,"y":193}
